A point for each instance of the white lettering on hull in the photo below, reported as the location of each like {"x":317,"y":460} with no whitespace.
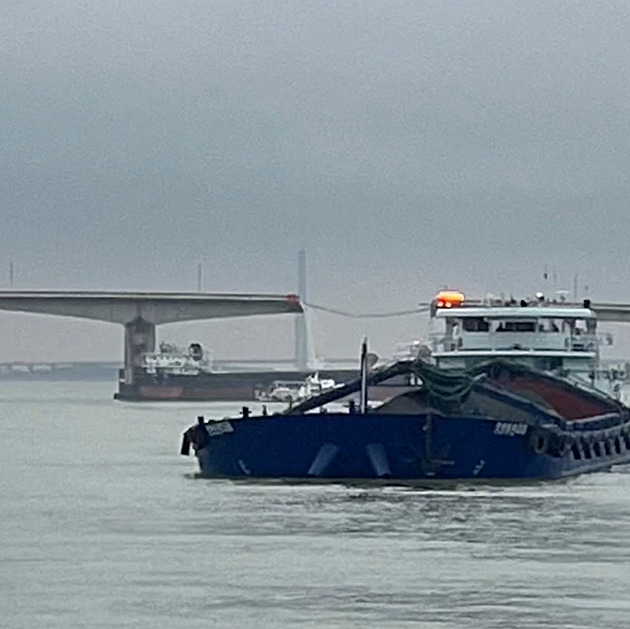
{"x":510,"y":429}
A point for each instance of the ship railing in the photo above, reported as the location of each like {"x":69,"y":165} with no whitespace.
{"x":502,"y":341}
{"x":582,"y":343}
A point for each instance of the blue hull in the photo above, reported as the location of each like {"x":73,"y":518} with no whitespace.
{"x":407,"y":447}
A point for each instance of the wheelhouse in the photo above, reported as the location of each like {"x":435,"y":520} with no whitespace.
{"x":547,"y":336}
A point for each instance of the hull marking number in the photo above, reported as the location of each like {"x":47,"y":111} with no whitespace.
{"x":510,"y":429}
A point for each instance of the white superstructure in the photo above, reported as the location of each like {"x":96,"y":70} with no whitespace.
{"x":548,"y":335}
{"x":173,"y":360}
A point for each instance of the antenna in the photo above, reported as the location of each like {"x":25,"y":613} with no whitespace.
{"x":11,"y":274}
{"x":199,"y":277}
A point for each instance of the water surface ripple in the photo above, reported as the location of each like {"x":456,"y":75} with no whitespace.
{"x":104,"y":524}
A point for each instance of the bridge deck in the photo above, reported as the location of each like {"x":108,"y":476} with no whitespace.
{"x":153,"y":307}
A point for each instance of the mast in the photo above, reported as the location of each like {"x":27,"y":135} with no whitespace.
{"x":363,"y":394}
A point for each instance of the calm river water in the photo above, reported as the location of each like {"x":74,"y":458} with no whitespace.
{"x":103,"y":524}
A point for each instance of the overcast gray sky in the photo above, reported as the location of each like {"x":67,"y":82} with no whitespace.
{"x":405,"y":145}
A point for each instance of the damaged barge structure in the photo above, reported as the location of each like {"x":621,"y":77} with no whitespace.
{"x":500,"y":420}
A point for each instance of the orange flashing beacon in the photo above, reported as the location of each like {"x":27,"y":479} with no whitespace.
{"x":449,"y":299}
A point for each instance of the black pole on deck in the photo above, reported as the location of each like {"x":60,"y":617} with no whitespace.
{"x":363,"y":394}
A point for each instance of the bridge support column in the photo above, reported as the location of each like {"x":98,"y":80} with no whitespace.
{"x":301,"y":334}
{"x":139,"y":339}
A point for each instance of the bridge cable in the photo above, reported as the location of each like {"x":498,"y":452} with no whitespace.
{"x":368,"y":315}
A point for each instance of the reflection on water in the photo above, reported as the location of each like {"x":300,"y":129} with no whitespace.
{"x":104,"y":524}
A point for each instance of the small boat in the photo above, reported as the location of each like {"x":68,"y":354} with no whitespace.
{"x":280,"y":391}
{"x":291,"y":391}
{"x":497,"y":420}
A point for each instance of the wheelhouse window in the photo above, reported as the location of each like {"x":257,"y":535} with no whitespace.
{"x":475,"y":324}
{"x":516,"y":326}
{"x":549,"y":325}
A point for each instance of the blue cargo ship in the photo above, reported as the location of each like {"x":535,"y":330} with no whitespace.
{"x":503,"y":421}
{"x":483,"y":409}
